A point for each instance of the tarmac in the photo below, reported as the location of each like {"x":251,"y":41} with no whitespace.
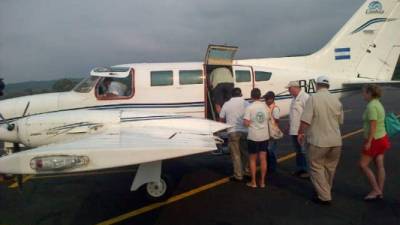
{"x":203,"y":194}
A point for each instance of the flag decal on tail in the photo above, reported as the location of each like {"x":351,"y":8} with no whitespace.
{"x":342,"y":54}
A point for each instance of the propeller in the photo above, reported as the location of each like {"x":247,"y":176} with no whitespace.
{"x":2,"y":86}
{"x":11,"y":126}
{"x":16,"y":147}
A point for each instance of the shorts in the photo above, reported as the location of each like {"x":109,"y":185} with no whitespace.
{"x":378,"y":147}
{"x":255,"y":147}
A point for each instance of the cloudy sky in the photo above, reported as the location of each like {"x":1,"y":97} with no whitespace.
{"x":51,"y":39}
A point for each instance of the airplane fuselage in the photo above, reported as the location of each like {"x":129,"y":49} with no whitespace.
{"x":176,"y":97}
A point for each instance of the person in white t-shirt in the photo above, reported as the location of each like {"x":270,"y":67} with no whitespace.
{"x":232,"y":113}
{"x":256,"y":119}
{"x":269,"y":98}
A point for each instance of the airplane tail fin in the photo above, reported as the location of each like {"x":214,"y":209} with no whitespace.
{"x":368,"y":45}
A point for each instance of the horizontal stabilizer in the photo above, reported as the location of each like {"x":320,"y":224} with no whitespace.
{"x":360,"y":84}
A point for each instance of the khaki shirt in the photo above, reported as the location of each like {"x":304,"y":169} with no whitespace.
{"x":220,"y":75}
{"x":296,"y":109}
{"x":324,"y":113}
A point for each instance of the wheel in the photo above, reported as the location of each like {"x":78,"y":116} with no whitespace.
{"x":158,"y":191}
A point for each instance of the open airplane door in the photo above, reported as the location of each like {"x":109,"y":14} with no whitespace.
{"x":220,"y":55}
{"x":217,"y":56}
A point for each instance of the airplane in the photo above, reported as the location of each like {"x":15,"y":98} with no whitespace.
{"x":365,"y":50}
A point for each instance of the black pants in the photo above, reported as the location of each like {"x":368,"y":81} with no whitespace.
{"x":222,"y":93}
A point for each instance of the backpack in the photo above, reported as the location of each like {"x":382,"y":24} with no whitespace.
{"x":392,"y":124}
{"x":274,"y":131}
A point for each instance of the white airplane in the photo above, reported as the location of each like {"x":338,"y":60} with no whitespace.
{"x":365,"y":50}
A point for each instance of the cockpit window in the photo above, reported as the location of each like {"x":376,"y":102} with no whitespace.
{"x":109,"y":88}
{"x":86,"y":85}
{"x":114,"y":87}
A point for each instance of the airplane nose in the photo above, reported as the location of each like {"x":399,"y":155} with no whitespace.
{"x":7,"y":108}
{"x":8,"y":132}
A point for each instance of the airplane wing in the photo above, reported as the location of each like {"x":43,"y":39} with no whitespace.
{"x":114,"y":148}
{"x":360,"y":84}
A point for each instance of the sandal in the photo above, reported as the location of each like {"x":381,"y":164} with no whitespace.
{"x":371,"y":197}
{"x":249,"y":184}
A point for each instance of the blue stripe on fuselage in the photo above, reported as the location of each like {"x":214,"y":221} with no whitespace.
{"x":154,"y":105}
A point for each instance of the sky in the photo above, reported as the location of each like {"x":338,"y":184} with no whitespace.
{"x":48,"y":40}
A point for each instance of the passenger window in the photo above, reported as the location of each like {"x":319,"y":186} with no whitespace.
{"x":190,"y":77}
{"x":161,"y":78}
{"x":242,"y":76}
{"x":263,"y":76}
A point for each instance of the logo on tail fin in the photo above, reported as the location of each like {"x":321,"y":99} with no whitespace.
{"x":375,"y":7}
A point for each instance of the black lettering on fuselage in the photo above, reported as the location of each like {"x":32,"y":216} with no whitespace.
{"x":309,"y":86}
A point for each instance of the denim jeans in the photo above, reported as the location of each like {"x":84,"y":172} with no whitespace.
{"x":301,"y":161}
{"x":272,"y":160}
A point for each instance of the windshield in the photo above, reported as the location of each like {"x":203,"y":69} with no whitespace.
{"x":86,"y":85}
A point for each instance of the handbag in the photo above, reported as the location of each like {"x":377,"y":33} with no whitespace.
{"x":392,"y":124}
{"x":274,"y":131}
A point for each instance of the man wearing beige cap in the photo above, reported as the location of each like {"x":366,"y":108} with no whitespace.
{"x":321,"y":119}
{"x":296,"y":109}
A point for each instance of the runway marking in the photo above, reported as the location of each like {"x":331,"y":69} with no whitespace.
{"x":352,"y":133}
{"x":286,"y":157}
{"x":175,"y":198}
{"x":24,"y":179}
{"x":160,"y":204}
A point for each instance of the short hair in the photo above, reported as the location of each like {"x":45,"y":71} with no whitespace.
{"x":269,"y":95}
{"x":374,"y":90}
{"x":255,"y":93}
{"x":236,"y":92}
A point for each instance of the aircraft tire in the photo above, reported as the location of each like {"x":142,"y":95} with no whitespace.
{"x":156,"y":192}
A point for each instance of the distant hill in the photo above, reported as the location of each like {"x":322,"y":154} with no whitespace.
{"x":32,"y":87}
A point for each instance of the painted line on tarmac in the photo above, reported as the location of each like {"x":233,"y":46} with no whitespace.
{"x":24,"y":179}
{"x":178,"y":197}
{"x":352,"y":133}
{"x":160,"y":204}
